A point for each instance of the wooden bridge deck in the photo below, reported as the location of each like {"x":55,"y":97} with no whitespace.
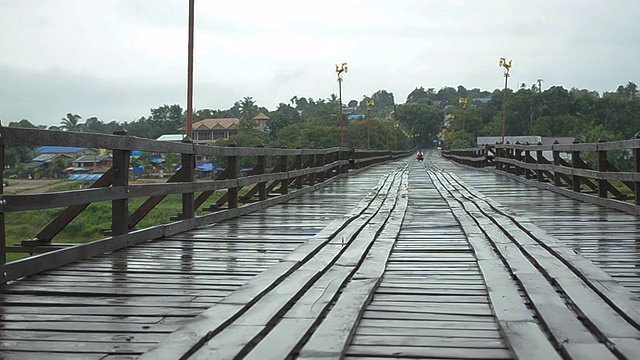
{"x":423,"y":267}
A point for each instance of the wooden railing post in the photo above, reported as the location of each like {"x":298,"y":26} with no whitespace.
{"x":539,"y":172}
{"x":343,"y":155}
{"x":496,"y":159}
{"x":189,"y":165}
{"x":284,"y":184}
{"x":636,"y":168}
{"x":556,"y":162}
{"x":602,"y":167}
{"x":518,"y":158}
{"x":320,"y":161}
{"x":311,"y":178}
{"x":509,"y":155}
{"x":261,"y":168}
{"x":575,"y":162}
{"x":352,"y":156}
{"x":297,"y":166}
{"x":232,"y":166}
{"x":328,"y":159}
{"x":485,"y":161}
{"x":527,"y":159}
{"x":120,"y":208}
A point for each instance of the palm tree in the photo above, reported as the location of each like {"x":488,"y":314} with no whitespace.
{"x":248,"y":108}
{"x":71,"y":122}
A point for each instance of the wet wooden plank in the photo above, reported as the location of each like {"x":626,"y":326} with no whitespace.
{"x":602,"y":319}
{"x":250,"y":298}
{"x":346,"y":249}
{"x":218,"y":258}
{"x":424,"y":352}
{"x":431,"y":256}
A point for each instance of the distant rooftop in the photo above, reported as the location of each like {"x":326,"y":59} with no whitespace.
{"x":58,"y":150}
{"x":171,"y":137}
{"x":261,"y":116}
{"x":216,"y":124}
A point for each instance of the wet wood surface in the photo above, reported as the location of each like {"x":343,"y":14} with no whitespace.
{"x":609,"y":238}
{"x":125,"y":302}
{"x":405,"y":260}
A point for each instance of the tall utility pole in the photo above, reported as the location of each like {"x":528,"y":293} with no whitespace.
{"x":190,"y":71}
{"x":507,"y":66}
{"x":370,"y":103}
{"x":340,"y":71}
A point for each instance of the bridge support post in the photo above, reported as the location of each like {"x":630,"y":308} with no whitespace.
{"x":284,"y":184}
{"x":261,"y":168}
{"x":120,"y":208}
{"x":232,"y":167}
{"x":602,"y":167}
{"x":188,"y":162}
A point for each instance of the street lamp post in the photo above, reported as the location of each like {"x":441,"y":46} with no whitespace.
{"x":340,"y":71}
{"x":463,"y":101}
{"x":370,"y":103}
{"x":507,"y":66}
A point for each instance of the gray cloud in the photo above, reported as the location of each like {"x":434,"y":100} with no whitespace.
{"x":116,"y":59}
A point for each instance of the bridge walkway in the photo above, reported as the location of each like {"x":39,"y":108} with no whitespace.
{"x":426,"y":266}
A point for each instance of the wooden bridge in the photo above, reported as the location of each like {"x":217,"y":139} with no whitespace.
{"x":336,"y":254}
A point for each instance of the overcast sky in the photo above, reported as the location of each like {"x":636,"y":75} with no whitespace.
{"x":116,"y":59}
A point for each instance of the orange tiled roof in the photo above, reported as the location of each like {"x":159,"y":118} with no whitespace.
{"x":261,"y":116}
{"x":215,"y":124}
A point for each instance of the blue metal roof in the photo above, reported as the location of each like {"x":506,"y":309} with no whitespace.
{"x":205,"y":166}
{"x":58,"y":150}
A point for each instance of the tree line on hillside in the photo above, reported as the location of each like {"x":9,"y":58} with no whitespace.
{"x":315,"y":123}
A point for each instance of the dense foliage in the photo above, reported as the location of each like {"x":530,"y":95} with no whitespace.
{"x":308,"y":122}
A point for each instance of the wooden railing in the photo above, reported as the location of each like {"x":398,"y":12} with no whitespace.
{"x":582,"y":171}
{"x":297,"y":171}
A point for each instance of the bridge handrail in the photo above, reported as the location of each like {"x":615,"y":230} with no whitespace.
{"x":566,"y":171}
{"x":296,"y":171}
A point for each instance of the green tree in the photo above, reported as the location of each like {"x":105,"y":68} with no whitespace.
{"x":283,"y":116}
{"x":418,"y":94}
{"x":203,"y":114}
{"x":24,"y":123}
{"x":95,"y":125}
{"x":248,"y":108}
{"x":71,"y":122}
{"x":420,"y":118}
